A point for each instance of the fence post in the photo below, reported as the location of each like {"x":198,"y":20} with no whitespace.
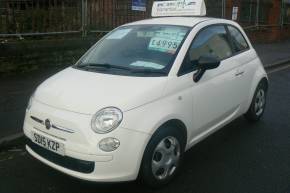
{"x":282,"y":13}
{"x":223,"y":8}
{"x":251,"y":7}
{"x":113,"y":14}
{"x":84,"y":18}
{"x":257,"y":13}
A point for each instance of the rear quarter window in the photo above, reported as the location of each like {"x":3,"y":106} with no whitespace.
{"x":239,"y":42}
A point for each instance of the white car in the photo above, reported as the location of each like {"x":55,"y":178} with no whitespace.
{"x":142,"y":96}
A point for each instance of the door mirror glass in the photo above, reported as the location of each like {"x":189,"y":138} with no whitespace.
{"x":207,"y":62}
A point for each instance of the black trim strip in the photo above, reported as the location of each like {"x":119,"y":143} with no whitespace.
{"x":37,"y":120}
{"x":62,"y":129}
{"x":53,"y":126}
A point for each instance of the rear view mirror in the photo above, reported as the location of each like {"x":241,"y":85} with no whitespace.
{"x":205,"y":63}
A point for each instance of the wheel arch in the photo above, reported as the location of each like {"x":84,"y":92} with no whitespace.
{"x":178,"y":124}
{"x":175,"y":123}
{"x":265,"y":81}
{"x":254,"y":87}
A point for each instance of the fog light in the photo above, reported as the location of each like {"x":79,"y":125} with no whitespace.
{"x":109,"y":144}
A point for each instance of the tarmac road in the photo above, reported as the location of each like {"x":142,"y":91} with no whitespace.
{"x":240,"y":158}
{"x":14,"y":95}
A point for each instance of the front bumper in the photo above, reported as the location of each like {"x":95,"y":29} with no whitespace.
{"x":70,"y":163}
{"x":83,"y":159}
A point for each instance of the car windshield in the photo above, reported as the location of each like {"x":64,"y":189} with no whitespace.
{"x":139,"y":50}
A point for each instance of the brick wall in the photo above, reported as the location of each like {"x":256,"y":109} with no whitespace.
{"x":273,"y":31}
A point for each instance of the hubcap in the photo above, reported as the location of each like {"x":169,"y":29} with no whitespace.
{"x":260,"y":102}
{"x":165,"y":158}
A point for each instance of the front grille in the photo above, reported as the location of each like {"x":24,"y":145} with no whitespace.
{"x":63,"y":161}
{"x":42,"y":122}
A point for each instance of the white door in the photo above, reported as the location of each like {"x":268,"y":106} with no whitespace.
{"x":215,"y":97}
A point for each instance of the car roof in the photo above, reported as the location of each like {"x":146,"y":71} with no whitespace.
{"x":182,"y":21}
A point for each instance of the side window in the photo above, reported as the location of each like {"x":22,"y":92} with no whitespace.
{"x":239,"y":42}
{"x":212,"y":40}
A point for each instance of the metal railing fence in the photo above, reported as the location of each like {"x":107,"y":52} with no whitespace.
{"x":257,"y":14}
{"x":39,"y":16}
{"x":57,"y":17}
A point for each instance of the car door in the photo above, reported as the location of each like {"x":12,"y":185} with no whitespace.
{"x":244,"y":56}
{"x":215,"y":96}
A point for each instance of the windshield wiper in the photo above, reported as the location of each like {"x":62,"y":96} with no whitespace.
{"x":103,"y":66}
{"x":148,"y":71}
{"x":106,"y":66}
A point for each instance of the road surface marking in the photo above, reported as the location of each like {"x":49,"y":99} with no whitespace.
{"x":284,"y":67}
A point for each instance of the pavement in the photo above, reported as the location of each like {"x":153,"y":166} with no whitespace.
{"x":14,"y":94}
{"x":16,"y":90}
{"x":240,"y":158}
{"x":274,"y":53}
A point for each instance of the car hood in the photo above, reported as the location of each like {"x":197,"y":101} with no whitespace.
{"x":87,"y":92}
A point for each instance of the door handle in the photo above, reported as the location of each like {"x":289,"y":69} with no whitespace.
{"x":240,"y":73}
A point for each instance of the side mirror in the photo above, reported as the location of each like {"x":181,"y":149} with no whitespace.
{"x":205,"y":63}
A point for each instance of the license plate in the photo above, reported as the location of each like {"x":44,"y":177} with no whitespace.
{"x":48,"y":144}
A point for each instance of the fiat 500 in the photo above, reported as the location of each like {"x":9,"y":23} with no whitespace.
{"x":142,"y":96}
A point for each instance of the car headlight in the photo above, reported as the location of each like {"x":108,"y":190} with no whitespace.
{"x":106,"y":120}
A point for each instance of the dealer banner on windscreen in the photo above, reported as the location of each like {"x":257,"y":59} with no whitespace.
{"x":179,"y":8}
{"x":139,"y":5}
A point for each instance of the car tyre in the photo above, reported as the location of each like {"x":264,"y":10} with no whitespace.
{"x":258,"y":103}
{"x":162,"y":157}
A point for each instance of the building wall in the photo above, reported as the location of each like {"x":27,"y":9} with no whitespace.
{"x":268,"y":26}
